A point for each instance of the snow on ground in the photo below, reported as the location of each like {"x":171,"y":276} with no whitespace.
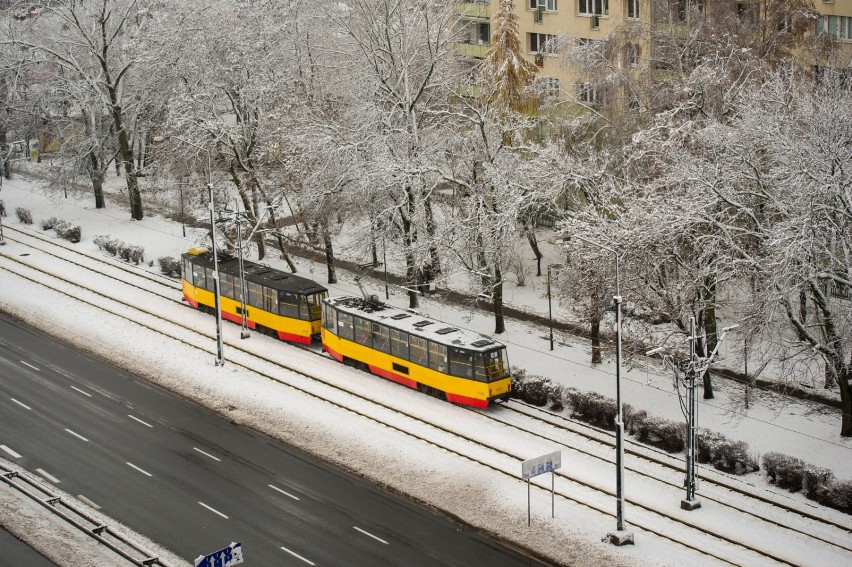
{"x":801,"y":429}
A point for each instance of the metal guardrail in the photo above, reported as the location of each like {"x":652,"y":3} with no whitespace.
{"x":30,"y":486}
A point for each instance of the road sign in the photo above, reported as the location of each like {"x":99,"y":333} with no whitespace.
{"x":231,"y":555}
{"x":540,"y":465}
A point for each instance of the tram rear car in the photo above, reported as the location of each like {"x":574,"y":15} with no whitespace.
{"x":277,"y":303}
{"x":457,"y":365}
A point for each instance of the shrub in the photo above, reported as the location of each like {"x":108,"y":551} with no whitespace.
{"x":24,"y":215}
{"x":593,"y":408}
{"x":659,"y":432}
{"x":816,"y":479}
{"x":2,"y":208}
{"x":722,"y":453}
{"x":837,"y":495}
{"x":137,"y":254}
{"x":537,"y":390}
{"x":47,"y":224}
{"x":169,"y":266}
{"x":100,"y":241}
{"x":67,"y":231}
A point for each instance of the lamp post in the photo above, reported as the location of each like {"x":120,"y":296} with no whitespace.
{"x":238,"y":222}
{"x":216,"y":289}
{"x":549,"y":307}
{"x":621,"y":536}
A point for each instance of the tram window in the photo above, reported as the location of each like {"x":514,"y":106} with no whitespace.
{"x":399,"y":343}
{"x":381,"y":340}
{"x":198,"y":276}
{"x":344,"y":326}
{"x":461,"y":363}
{"x":438,"y":357}
{"x":362,"y":332}
{"x":186,"y":269}
{"x":209,"y":273}
{"x":227,"y":286}
{"x":304,"y":312}
{"x":255,"y":293}
{"x":314,"y":305}
{"x":329,"y":318}
{"x":288,"y":304}
{"x":417,"y":351}
{"x":270,"y":300}
{"x":490,"y":366}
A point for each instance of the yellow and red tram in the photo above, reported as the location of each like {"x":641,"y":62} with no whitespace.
{"x":277,"y":303}
{"x":461,"y":366}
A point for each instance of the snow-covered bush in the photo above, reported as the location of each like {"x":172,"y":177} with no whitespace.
{"x":125,"y":251}
{"x":2,"y":208}
{"x":24,"y":215}
{"x":785,"y":471}
{"x":723,"y":453}
{"x":68,"y":231}
{"x":663,"y":433}
{"x":169,"y":266}
{"x":537,"y":390}
{"x":837,"y":495}
{"x":593,"y":408}
{"x":47,"y":224}
{"x":816,"y":479}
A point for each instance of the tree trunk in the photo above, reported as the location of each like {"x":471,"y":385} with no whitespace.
{"x":845,"y":401}
{"x":534,"y":245}
{"x":126,"y":152}
{"x":596,"y":340}
{"x":96,"y":174}
{"x":497,"y":296}
{"x":329,"y":260}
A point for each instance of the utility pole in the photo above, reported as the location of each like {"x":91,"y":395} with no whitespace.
{"x":686,"y":378}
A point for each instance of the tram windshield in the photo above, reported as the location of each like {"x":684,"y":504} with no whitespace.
{"x":492,"y":365}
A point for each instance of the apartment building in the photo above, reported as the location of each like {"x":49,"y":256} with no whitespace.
{"x":638,"y":26}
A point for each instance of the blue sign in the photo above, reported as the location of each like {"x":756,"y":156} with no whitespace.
{"x":231,"y":555}
{"x":540,"y":465}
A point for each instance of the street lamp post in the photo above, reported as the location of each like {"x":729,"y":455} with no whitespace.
{"x":621,"y":536}
{"x":549,"y":306}
{"x":216,"y":289}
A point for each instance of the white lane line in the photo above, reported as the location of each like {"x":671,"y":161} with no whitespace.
{"x":87,"y":501}
{"x":284,"y":492}
{"x":77,"y":435}
{"x":10,"y":451}
{"x":215,"y":511}
{"x":366,"y":533}
{"x":132,"y":466}
{"x":48,"y":476}
{"x":31,"y":366}
{"x":22,"y":404}
{"x":207,"y":454}
{"x":297,"y":556}
{"x":139,"y":420}
{"x":81,"y":391}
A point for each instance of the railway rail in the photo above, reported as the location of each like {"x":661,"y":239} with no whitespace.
{"x":811,"y":531}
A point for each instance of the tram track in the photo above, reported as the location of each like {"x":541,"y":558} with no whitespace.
{"x":417,"y":426}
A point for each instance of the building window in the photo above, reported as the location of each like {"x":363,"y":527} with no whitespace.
{"x":542,"y":43}
{"x":838,"y":27}
{"x":549,"y":5}
{"x":631,"y":54}
{"x":593,"y":7}
{"x":587,"y":93}
{"x":633,"y":9}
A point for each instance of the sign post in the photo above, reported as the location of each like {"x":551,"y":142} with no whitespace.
{"x":540,"y":465}
{"x":231,"y":555}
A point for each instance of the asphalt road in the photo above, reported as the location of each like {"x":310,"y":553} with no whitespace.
{"x":15,"y":553}
{"x":194,"y":482}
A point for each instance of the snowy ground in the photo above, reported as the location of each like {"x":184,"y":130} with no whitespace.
{"x":804,"y":430}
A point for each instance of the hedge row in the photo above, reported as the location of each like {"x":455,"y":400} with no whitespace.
{"x":818,"y":483}
{"x":127,"y":252}
{"x":595,"y":409}
{"x":63,"y":229}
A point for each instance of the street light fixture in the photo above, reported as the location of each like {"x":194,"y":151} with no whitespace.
{"x":216,"y":288}
{"x":621,"y":536}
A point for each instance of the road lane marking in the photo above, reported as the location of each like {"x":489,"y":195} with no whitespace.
{"x":48,"y":476}
{"x":10,"y":451}
{"x":139,"y":420}
{"x":296,"y":555}
{"x":215,"y":511}
{"x":131,"y":465}
{"x":81,"y":391}
{"x":371,"y":535}
{"x":207,"y":454}
{"x":77,"y":435}
{"x":87,"y":501}
{"x":22,"y":404}
{"x":31,"y":366}
{"x":285,"y":493}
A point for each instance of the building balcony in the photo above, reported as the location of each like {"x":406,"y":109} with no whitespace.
{"x":474,"y":9}
{"x":472,"y":50}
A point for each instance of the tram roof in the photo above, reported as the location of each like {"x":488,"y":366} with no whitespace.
{"x":414,"y":324}
{"x":258,"y":273}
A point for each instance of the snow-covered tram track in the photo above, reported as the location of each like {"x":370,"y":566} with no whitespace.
{"x":414,"y":422}
{"x":715,"y":486}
